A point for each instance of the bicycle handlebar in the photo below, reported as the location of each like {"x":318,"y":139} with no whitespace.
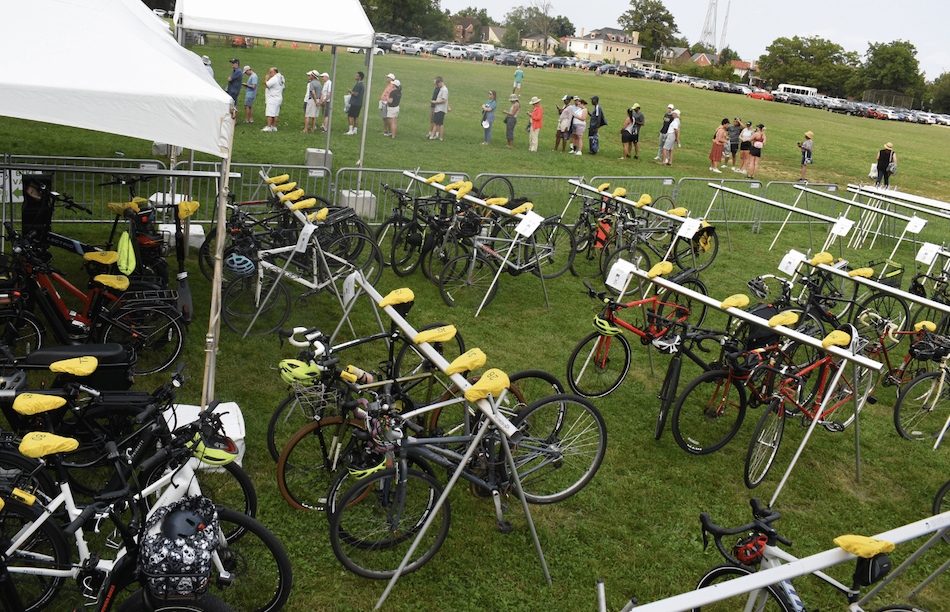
{"x":763,"y":517}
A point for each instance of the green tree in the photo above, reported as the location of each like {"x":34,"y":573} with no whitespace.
{"x":480,"y":14}
{"x":813,"y":62}
{"x":939,"y":92}
{"x":893,"y":66}
{"x":727,"y":55}
{"x":698,"y":48}
{"x":561,"y":26}
{"x":655,"y":24}
{"x":409,"y":18}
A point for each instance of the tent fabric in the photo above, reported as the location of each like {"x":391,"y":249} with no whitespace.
{"x":110,"y":66}
{"x":341,"y":22}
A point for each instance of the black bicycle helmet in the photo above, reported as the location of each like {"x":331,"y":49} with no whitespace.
{"x":183,"y":523}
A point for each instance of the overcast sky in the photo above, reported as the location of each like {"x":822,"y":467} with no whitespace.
{"x":754,"y":24}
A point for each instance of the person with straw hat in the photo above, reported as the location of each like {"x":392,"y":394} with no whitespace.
{"x":536,"y":115}
{"x":885,"y":158}
{"x":806,"y":147}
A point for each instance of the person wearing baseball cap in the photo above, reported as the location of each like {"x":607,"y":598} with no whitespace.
{"x":250,"y":94}
{"x":672,"y":138}
{"x":384,"y":103}
{"x":667,"y":119}
{"x":234,"y":81}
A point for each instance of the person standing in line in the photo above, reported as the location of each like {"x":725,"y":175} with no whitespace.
{"x":488,"y":115}
{"x":626,"y":134}
{"x":664,"y":129}
{"x":806,"y":146}
{"x":745,"y":146}
{"x":326,"y":100}
{"x":597,"y":120}
{"x":395,"y":97}
{"x":207,"y":62}
{"x":511,"y":119}
{"x":519,"y":74}
{"x":565,"y":116}
{"x":356,"y":103}
{"x":720,"y":140}
{"x":755,"y":153}
{"x":580,"y":124}
{"x":311,"y":102}
{"x":885,"y":157}
{"x":250,"y":94}
{"x":734,"y":131}
{"x":274,"y":84}
{"x":440,"y":106}
{"x":384,"y":102}
{"x":639,"y":120}
{"x":672,"y":138}
{"x":537,"y":115}
{"x":234,"y":81}
{"x":435,"y":94}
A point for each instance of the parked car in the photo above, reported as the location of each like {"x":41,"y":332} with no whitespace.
{"x":780,"y":96}
{"x":451,"y":51}
{"x":557,"y":62}
{"x":700,"y":84}
{"x":608,"y":69}
{"x":506,"y":59}
{"x":759,"y":94}
{"x":405,"y":48}
{"x":376,"y":51}
{"x":743,"y":89}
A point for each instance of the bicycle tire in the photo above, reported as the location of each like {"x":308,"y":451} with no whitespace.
{"x":668,"y":393}
{"x":893,"y":311}
{"x":564,"y":443}
{"x":366,"y":538}
{"x":897,"y":608}
{"x":937,"y":317}
{"x":300,"y":407}
{"x":763,"y":448}
{"x":21,"y":332}
{"x":410,"y":362}
{"x":633,"y":254}
{"x":767,"y":599}
{"x":587,"y":260}
{"x":154,"y":334}
{"x":350,"y":253}
{"x":552,"y":246}
{"x":842,"y":395}
{"x":243,"y":297}
{"x":467,"y":281}
{"x":311,"y":458}
{"x":497,"y":187}
{"x":695,"y":253}
{"x":406,"y":249}
{"x":46,"y":548}
{"x":594,"y":368}
{"x":21,"y":472}
{"x":697,"y":310}
{"x":919,"y":414}
{"x":384,"y":235}
{"x":204,"y":603}
{"x":261,"y":569}
{"x":704,"y":423}
{"x":942,"y":504}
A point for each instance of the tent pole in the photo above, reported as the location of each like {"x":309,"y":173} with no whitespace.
{"x":366,"y":97}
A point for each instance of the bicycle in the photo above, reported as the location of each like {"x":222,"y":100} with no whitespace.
{"x":595,"y":368}
{"x":921,"y":409}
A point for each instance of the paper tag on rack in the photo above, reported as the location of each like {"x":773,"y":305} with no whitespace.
{"x":927,"y":253}
{"x":619,"y":273}
{"x":349,"y":287}
{"x":916,"y":224}
{"x":689,"y":227}
{"x":790,"y":262}
{"x":304,"y":238}
{"x":529,"y":223}
{"x":842,"y":226}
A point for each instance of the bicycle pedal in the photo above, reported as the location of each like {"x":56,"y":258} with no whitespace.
{"x":872,"y":399}
{"x":505,"y":527}
{"x":833,"y":426}
{"x":221,"y":581}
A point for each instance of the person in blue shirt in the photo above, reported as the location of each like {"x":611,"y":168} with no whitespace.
{"x":488,"y":115}
{"x":234,"y":81}
{"x":250,"y":94}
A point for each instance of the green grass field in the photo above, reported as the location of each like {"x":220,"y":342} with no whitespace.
{"x":636,"y":525}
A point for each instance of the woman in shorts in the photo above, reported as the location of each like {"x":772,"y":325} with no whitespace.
{"x":755,"y":153}
{"x":392,"y":110}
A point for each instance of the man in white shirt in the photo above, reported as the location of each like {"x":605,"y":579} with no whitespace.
{"x":273,"y":97}
{"x":440,"y":106}
{"x":326,"y":99}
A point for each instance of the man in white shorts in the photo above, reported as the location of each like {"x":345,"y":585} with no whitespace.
{"x":273,"y":97}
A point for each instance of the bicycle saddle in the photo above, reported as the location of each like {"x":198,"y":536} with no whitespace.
{"x":106,"y":258}
{"x":523,"y":208}
{"x":119,"y":208}
{"x":40,"y":444}
{"x":492,"y":382}
{"x":784,"y":318}
{"x":664,"y":267}
{"x":863,"y":546}
{"x":284,"y":188}
{"x":836,"y":338}
{"x":397,"y":296}
{"x":470,"y":360}
{"x":496,"y":201}
{"x":738,"y":300}
{"x":603,"y":187}
{"x":822,"y":258}
{"x":619,"y":192}
{"x":644,"y":200}
{"x":113,"y":281}
{"x":293,"y":195}
{"x":320,"y":215}
{"x":276,"y":179}
{"x":438,"y":178}
{"x":77,"y":366}
{"x":29,"y":404}
{"x":862,"y":272}
{"x":928,"y":325}
{"x":186,"y":209}
{"x":439,"y":334}
{"x":303,"y":204}
{"x":679,"y":211}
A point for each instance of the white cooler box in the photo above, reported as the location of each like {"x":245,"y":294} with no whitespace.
{"x":196,"y":234}
{"x":232,"y":420}
{"x":363,"y":202}
{"x":319,"y":157}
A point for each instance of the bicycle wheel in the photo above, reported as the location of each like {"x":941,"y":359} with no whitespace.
{"x":598,"y":364}
{"x":937,"y":317}
{"x":227,"y":486}
{"x":497,"y":187}
{"x":697,"y":309}
{"x":379,"y":518}
{"x":154,"y":334}
{"x":206,"y":253}
{"x":205,"y":603}
{"x":708,"y":413}
{"x":45,"y":549}
{"x":411,"y":362}
{"x":311,"y":458}
{"x":21,"y":332}
{"x":405,"y":249}
{"x":668,"y":394}
{"x":25,"y":473}
{"x":255,"y":306}
{"x":767,"y":599}
{"x":894,"y":608}
{"x":587,"y":250}
{"x":260,"y":568}
{"x":351,"y":252}
{"x":384,"y":236}
{"x":565,"y":439}
{"x":942,"y":504}
{"x":442,"y":252}
{"x":766,"y":440}
{"x":632,"y":254}
{"x":529,"y":386}
{"x":552,"y":247}
{"x":697,"y":252}
{"x":467,"y":280}
{"x":877,"y":314}
{"x":923,"y":407}
{"x":302,"y":406}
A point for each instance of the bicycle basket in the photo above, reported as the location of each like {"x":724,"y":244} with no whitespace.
{"x":887,"y":271}
{"x":180,"y":566}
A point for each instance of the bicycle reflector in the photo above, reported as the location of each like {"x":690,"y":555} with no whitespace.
{"x":748,"y":550}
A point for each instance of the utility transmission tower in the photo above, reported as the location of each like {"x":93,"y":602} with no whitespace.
{"x":725,"y":24}
{"x":708,"y":37}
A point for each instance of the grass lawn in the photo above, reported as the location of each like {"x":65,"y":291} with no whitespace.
{"x":636,"y":525}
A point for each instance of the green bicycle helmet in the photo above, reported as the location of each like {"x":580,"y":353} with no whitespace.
{"x":361,"y":464}
{"x":605,"y":327}
{"x":296,"y":371}
{"x":213,"y":448}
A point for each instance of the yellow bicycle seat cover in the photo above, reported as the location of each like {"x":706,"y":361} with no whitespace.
{"x":454,"y":185}
{"x":679,"y":211}
{"x":523,"y":208}
{"x":285,"y":187}
{"x":77,"y":366}
{"x":304,"y":204}
{"x":397,"y":296}
{"x":862,"y":272}
{"x":664,"y":267}
{"x":438,"y":334}
{"x":467,"y":361}
{"x":836,"y":338}
{"x":277,"y":179}
{"x":38,"y":444}
{"x":496,"y":201}
{"x":492,"y":382}
{"x":106,"y":258}
{"x":293,"y":195}
{"x":735,"y":301}
{"x":438,"y":178}
{"x":463,"y":189}
{"x":822,"y":258}
{"x":863,"y":546}
{"x":644,"y":200}
{"x":120,"y":207}
{"x":36,"y":403}
{"x":619,"y":192}
{"x":784,"y":318}
{"x":186,"y":209}
{"x":603,"y":187}
{"x":320,"y":215}
{"x":113,"y":281}
{"x":928,"y":325}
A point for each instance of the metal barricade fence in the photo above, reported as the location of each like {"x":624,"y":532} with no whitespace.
{"x":655,"y":186}
{"x":696,"y":196}
{"x":362,"y":189}
{"x":548,"y":193}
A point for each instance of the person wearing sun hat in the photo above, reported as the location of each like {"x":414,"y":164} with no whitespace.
{"x":667,"y":120}
{"x":806,"y":146}
{"x":384,"y":103}
{"x":885,"y":157}
{"x":536,"y":115}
